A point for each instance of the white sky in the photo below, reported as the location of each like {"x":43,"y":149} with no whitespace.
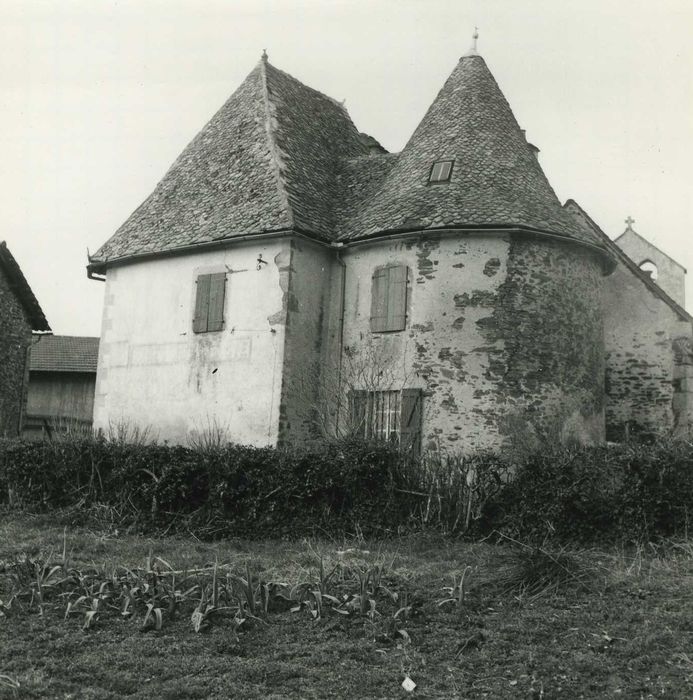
{"x":98,"y":97}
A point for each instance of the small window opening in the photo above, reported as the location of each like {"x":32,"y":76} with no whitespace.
{"x":441,"y":171}
{"x":650,"y":268}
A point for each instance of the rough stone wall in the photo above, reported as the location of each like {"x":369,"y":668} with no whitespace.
{"x":645,"y":393}
{"x":154,"y":372}
{"x":682,"y":401}
{"x":671,"y":276}
{"x":503,"y":334}
{"x":15,"y":338}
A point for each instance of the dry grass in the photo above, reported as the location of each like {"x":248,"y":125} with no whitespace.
{"x":625,"y":633}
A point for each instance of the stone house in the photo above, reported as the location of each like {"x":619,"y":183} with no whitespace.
{"x":288,"y":276}
{"x":62,"y":381}
{"x":20,"y":314}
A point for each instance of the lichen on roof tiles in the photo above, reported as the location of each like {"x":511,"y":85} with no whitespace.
{"x":281,"y":156}
{"x":496,"y":179}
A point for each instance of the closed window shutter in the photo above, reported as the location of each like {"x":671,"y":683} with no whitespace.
{"x":217,"y":290}
{"x":397,"y":298}
{"x":358,"y":409}
{"x":379,"y":291}
{"x":201,"y":304}
{"x":389,"y":299}
{"x":410,"y":420}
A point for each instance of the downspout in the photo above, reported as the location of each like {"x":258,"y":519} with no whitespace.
{"x":340,"y":345}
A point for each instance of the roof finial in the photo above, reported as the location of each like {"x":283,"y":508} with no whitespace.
{"x":473,"y":51}
{"x":629,"y":223}
{"x":264,"y":55}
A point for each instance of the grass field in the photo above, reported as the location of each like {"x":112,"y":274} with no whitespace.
{"x":617,"y":624}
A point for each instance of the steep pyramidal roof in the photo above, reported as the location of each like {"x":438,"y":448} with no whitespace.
{"x":280,"y":156}
{"x":266,"y":161}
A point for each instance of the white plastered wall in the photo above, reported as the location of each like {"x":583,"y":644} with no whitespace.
{"x":154,"y":373}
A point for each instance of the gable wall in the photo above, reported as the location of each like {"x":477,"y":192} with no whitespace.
{"x":15,"y":337}
{"x":640,"y":330}
{"x":155,"y":373}
{"x":671,"y":276}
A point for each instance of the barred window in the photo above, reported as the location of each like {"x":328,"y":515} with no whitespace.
{"x":388,"y":416}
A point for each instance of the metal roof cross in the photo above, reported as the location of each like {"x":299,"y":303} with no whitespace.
{"x":630,"y":221}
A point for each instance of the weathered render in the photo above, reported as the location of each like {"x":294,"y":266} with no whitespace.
{"x":288,"y":279}
{"x":155,"y":372}
{"x":20,"y":313}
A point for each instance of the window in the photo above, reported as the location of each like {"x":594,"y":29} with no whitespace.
{"x":209,"y":302}
{"x":441,"y":171}
{"x":388,"y":416}
{"x":389,"y":299}
{"x":650,"y":268}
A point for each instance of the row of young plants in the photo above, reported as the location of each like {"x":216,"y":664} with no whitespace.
{"x":155,"y":595}
{"x":567,"y":493}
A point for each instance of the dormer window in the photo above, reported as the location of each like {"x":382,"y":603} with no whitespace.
{"x":441,"y":171}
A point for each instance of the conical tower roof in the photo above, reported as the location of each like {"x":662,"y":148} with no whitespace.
{"x":265,"y":162}
{"x":496,"y":180}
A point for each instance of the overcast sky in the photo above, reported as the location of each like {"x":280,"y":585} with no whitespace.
{"x":98,"y":97}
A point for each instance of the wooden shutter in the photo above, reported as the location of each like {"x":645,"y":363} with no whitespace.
{"x":357,"y":409}
{"x":410,"y":420}
{"x":209,"y":302}
{"x":201,"y":303}
{"x":379,"y":300}
{"x":217,"y":290}
{"x":389,"y":299}
{"x":397,"y":298}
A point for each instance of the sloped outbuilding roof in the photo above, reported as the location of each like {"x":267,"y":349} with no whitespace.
{"x":21,"y":288}
{"x":584,"y":220}
{"x":64,"y":353}
{"x":281,"y":157}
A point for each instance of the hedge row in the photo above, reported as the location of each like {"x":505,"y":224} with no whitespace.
{"x":627,"y":492}
{"x":230,"y":490}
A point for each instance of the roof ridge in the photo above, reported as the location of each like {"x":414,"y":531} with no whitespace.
{"x":270,"y":125}
{"x":324,"y":95}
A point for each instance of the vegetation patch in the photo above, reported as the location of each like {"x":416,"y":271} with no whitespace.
{"x":177,"y":618}
{"x":559,"y":494}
